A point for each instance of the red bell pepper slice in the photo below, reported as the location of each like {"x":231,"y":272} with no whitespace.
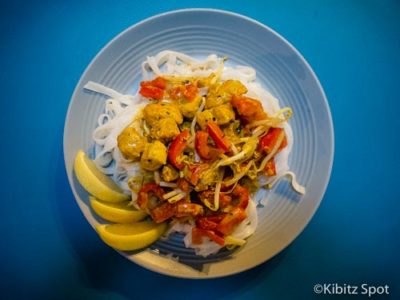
{"x":153,"y":89}
{"x":151,"y":92}
{"x":218,"y":136}
{"x":198,"y":233}
{"x":206,"y":224}
{"x":249,"y":109}
{"x":210,"y":222}
{"x":216,"y":218}
{"x":228,"y":223}
{"x":176,"y":148}
{"x":158,"y":82}
{"x":190,"y":91}
{"x":196,"y":171}
{"x":203,"y":149}
{"x":163,"y":212}
{"x":268,"y":141}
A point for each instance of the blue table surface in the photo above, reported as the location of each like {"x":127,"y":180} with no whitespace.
{"x":49,"y":250}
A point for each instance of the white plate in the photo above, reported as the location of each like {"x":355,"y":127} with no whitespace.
{"x":280,"y":68}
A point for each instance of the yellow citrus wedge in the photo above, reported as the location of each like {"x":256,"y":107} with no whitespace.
{"x":118,"y":212}
{"x":132,"y":236}
{"x":95,"y":182}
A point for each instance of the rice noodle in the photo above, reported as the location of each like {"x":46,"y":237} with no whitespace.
{"x":172,"y":193}
{"x":193,"y":124}
{"x":216,"y":196}
{"x":177,"y":197}
{"x":260,"y":130}
{"x":292,"y":177}
{"x":168,"y":184}
{"x":101,"y":89}
{"x":234,"y":149}
{"x":157,"y":177}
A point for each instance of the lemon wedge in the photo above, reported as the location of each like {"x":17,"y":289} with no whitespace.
{"x":119,"y":212}
{"x":95,"y":182}
{"x":132,"y":236}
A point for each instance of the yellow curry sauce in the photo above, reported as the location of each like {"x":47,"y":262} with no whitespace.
{"x":203,"y":143}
